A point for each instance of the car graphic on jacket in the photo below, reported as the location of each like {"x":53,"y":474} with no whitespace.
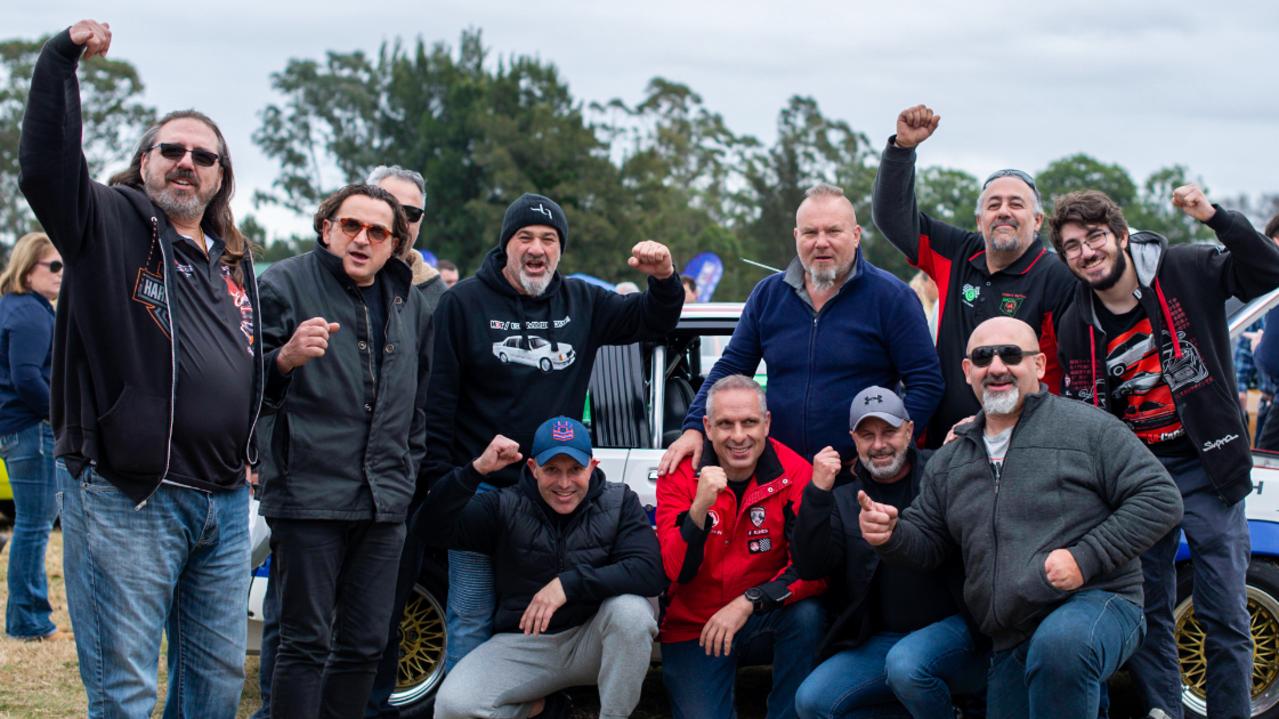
{"x":534,"y":351}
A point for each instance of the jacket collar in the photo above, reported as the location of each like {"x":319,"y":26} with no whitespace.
{"x":528,"y":484}
{"x":794,"y":276}
{"x":395,"y":273}
{"x":1033,"y":255}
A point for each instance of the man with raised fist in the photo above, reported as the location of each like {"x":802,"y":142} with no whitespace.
{"x":1049,"y":503}
{"x":901,"y":640}
{"x":998,"y":271}
{"x":1147,"y":341}
{"x":725,"y":534}
{"x":574,"y":564}
{"x":347,"y":345}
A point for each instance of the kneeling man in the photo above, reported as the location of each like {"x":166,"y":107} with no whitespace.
{"x":1050,"y":503}
{"x":725,"y":536}
{"x":901,"y":640}
{"x":574,"y":558}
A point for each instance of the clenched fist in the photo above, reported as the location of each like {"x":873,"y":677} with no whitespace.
{"x":1062,"y":570}
{"x":914,"y":125}
{"x":710,"y":482}
{"x":825,"y":466}
{"x":309,"y":341}
{"x":1193,"y":202}
{"x":93,"y":36}
{"x":652,"y":258}
{"x":875,"y":520}
{"x":501,"y":452}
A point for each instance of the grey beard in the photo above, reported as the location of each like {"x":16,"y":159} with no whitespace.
{"x":886,"y":472}
{"x":189,"y":207}
{"x":534,"y":287}
{"x":1000,"y":402}
{"x":822,"y":279}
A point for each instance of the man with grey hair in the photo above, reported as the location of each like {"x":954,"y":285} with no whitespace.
{"x":831,"y":325}
{"x":725,"y":534}
{"x":409,"y":187}
{"x":998,"y":271}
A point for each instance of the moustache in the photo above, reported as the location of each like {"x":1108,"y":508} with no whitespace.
{"x":182,"y":173}
{"x":997,"y":379}
{"x":1006,"y":223}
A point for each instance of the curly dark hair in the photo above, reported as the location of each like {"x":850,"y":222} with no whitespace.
{"x":1085,"y":207}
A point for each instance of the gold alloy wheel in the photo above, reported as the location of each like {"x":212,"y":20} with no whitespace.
{"x":422,"y":641}
{"x":1263,"y":610}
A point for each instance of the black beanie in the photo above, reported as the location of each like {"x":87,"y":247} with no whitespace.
{"x":533,"y":209}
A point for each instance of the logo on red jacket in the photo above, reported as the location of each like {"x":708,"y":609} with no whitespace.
{"x":757,"y":516}
{"x":759,"y":546}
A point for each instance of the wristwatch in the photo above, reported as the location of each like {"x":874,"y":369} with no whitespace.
{"x":758,"y":601}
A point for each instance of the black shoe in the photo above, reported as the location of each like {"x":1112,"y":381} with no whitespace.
{"x":558,"y":706}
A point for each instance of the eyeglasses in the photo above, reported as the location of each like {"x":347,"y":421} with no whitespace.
{"x":413,"y":214}
{"x":351,"y":227}
{"x":55,"y":266}
{"x":1095,"y":238}
{"x":1008,"y":354}
{"x":175,"y":152}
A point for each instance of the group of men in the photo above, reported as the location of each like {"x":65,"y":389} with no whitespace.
{"x":799,"y":526}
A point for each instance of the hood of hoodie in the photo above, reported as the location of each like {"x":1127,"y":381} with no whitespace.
{"x":1146,"y":250}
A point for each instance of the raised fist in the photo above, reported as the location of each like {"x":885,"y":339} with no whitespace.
{"x":501,"y":452}
{"x":710,"y":482}
{"x":825,"y":466}
{"x":93,"y":36}
{"x":653,"y":259}
{"x":915,"y":124}
{"x":1192,"y":201}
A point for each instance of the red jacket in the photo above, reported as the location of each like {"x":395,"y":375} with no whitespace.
{"x":746,"y":546}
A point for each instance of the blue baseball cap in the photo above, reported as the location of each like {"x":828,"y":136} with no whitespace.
{"x":562,"y":435}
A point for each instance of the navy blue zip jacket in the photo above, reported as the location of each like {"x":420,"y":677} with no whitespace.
{"x":26,"y":353}
{"x":872,"y":332}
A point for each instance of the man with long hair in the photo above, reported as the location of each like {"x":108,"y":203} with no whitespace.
{"x":156,"y":386}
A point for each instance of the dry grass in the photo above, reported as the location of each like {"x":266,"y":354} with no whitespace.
{"x":42,"y":679}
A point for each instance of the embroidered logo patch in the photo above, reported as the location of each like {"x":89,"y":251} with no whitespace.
{"x":760,"y":546}
{"x":757,"y":516}
{"x":970,"y":293}
{"x":1010,"y":303}
{"x":148,"y":290}
{"x":562,"y":432}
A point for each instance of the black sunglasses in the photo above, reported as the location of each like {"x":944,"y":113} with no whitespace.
{"x":1008,"y":354}
{"x":55,"y":266}
{"x":413,"y":214}
{"x":175,"y":152}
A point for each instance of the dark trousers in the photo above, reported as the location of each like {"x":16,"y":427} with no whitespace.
{"x":270,"y":642}
{"x":379,"y":704}
{"x":1219,"y":551}
{"x":336,"y":584}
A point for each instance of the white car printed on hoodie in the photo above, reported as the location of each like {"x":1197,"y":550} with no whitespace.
{"x":534,"y":351}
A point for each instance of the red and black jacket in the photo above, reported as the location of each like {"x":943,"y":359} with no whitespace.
{"x":742,"y":546}
{"x":1036,"y":288}
{"x":1183,"y":291}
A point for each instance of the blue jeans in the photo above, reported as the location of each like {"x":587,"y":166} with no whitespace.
{"x":28,"y":455}
{"x":701,"y":686}
{"x":896,"y":675}
{"x":1219,"y":547}
{"x":472,"y":600}
{"x":1060,"y":670}
{"x":177,"y":564}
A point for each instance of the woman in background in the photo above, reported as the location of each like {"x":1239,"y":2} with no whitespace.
{"x":29,"y":286}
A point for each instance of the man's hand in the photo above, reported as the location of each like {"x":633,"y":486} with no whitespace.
{"x":825,"y":466}
{"x":1062,"y":570}
{"x":93,"y":36}
{"x":950,"y":435}
{"x":689,"y":444}
{"x":1193,"y":202}
{"x":875,"y":520}
{"x":717,"y":635}
{"x":710,"y":482}
{"x":309,"y":340}
{"x":538,"y":615}
{"x":502,"y":452}
{"x":652,"y":258}
{"x":914,"y":125}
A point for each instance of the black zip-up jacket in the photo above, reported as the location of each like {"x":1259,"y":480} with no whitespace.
{"x":1185,"y":288}
{"x":114,"y":356}
{"x":1073,"y":478}
{"x":827,"y":543}
{"x":605,"y":548}
{"x":1035,"y":288}
{"x":348,"y":437}
{"x":504,"y":362}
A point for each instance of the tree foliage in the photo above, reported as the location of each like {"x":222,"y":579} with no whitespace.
{"x":114,"y":118}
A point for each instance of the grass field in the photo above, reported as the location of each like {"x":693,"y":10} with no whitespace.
{"x":41,"y":680}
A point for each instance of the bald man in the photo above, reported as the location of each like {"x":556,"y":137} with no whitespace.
{"x":1050,"y":503}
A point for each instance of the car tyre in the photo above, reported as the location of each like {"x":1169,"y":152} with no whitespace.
{"x":545,"y":364}
{"x":503,"y":358}
{"x":1263,"y":609}
{"x":423,"y":639}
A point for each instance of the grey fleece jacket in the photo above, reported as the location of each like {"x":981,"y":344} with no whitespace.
{"x":1074,"y":477}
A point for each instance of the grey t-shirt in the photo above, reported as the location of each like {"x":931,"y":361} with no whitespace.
{"x":996,"y":448}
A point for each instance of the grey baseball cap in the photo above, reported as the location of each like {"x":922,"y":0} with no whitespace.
{"x":877,"y":402}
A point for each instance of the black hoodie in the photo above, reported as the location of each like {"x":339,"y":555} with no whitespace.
{"x":1184,"y":287}
{"x":505,"y":362}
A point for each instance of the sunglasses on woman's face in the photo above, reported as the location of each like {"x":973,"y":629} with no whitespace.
{"x":1008,"y":354}
{"x":55,"y":266}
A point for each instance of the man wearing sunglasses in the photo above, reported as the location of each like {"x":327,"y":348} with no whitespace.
{"x":346,"y":339}
{"x":998,"y":271}
{"x":1049,"y":503}
{"x":157,"y":383}
{"x":1146,"y":340}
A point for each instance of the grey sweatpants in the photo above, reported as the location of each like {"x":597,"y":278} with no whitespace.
{"x":504,"y":675}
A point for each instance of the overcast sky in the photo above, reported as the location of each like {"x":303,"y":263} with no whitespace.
{"x":1142,"y":84}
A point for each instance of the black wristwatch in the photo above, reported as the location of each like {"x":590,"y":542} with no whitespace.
{"x":758,"y":601}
